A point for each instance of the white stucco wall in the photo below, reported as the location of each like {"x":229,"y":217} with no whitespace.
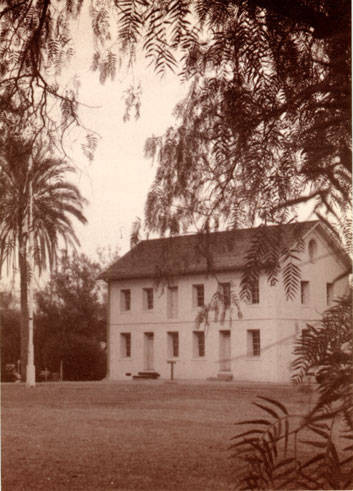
{"x":292,"y":316}
{"x":278,"y":319}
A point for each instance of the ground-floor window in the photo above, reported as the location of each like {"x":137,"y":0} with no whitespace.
{"x":198,"y":344}
{"x":329,"y":293}
{"x":173,"y":344}
{"x":253,"y":342}
{"x":125,"y":344}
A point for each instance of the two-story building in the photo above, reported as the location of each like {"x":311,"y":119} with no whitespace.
{"x":161,"y":291}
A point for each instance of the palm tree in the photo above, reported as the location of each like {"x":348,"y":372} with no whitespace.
{"x":54,"y":202}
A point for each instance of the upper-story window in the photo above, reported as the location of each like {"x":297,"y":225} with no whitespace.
{"x":198,"y":295}
{"x":304,"y":292}
{"x":172,"y":302}
{"x":125,"y":300}
{"x":255,"y":291}
{"x":312,"y":250}
{"x":148,"y":298}
{"x":225,"y":293}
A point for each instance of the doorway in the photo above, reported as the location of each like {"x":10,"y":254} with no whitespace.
{"x":148,"y":350}
{"x":224,"y":351}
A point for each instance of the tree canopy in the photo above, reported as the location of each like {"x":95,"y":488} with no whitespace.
{"x":266,"y":124}
{"x":10,"y":342}
{"x":267,"y":121}
{"x":278,"y":449}
{"x":283,"y":52}
{"x":29,"y":178}
{"x":55,"y":202}
{"x":71,"y":320}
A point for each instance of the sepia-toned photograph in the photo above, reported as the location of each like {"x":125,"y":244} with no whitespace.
{"x":176,"y":245}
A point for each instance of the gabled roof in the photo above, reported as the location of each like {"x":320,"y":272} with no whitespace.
{"x":191,"y":254}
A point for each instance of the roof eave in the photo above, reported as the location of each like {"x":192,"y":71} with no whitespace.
{"x":334,"y":243}
{"x":112,"y":277}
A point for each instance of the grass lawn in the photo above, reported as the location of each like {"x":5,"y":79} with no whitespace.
{"x":130,"y":435}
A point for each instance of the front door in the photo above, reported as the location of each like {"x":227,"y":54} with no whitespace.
{"x":224,"y":351}
{"x":148,"y":351}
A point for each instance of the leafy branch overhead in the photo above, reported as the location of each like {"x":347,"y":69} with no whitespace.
{"x":37,"y":42}
{"x":271,"y":84}
{"x":216,"y":309}
{"x":274,"y":251}
{"x":266,"y":123}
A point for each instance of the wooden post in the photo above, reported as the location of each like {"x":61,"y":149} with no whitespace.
{"x":61,"y":373}
{"x":171,"y":363}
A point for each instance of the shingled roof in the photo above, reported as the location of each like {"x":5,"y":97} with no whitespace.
{"x":191,"y":254}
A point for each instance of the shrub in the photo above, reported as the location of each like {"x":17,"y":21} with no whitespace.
{"x":312,"y":451}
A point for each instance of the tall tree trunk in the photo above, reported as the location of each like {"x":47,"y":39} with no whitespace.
{"x":22,"y":260}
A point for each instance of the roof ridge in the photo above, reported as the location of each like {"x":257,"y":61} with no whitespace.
{"x":194,"y":234}
{"x":150,"y":256}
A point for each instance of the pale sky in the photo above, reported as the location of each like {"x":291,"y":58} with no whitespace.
{"x":116,"y":183}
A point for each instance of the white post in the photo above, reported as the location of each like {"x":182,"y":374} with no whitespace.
{"x":109,"y":341}
{"x":30,"y":369}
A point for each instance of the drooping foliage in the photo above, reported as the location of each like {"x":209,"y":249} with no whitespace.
{"x":71,"y":320}
{"x":38,"y":40}
{"x":221,"y":305}
{"x":262,"y":69}
{"x":266,"y":123}
{"x":35,"y":44}
{"x":276,"y":252}
{"x":329,"y":348}
{"x":313,"y":450}
{"x":266,"y":126}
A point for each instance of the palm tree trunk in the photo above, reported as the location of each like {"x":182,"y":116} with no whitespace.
{"x":22,"y":260}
